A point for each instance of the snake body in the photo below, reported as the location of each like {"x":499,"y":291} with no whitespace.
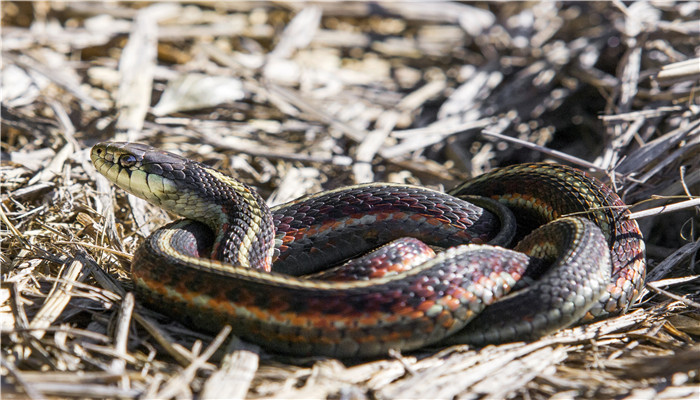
{"x":540,"y":193}
{"x":234,"y":260}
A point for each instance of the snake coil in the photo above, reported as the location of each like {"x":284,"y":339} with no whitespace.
{"x":235,"y":261}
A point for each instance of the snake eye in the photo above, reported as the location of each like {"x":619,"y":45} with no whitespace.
{"x":127,"y":161}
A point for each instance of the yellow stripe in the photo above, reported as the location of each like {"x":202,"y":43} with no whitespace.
{"x":236,"y":271}
{"x":256,"y":214}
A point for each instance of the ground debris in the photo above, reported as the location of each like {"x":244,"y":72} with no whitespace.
{"x":307,"y":97}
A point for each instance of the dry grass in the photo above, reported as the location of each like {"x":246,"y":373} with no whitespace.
{"x":296,"y":98}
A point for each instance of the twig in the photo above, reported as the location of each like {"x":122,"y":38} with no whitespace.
{"x":118,"y":253}
{"x":29,"y":389}
{"x":58,"y":298}
{"x":668,"y":294}
{"x":553,"y":153}
{"x":664,"y":209}
{"x":176,"y":383}
{"x":27,"y":62}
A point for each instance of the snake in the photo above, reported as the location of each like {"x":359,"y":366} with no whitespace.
{"x":511,"y":255}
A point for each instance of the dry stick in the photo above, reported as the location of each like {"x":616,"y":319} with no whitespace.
{"x":31,"y":191}
{"x":456,"y":381}
{"x":630,"y":77}
{"x":228,"y":60}
{"x":298,"y":32}
{"x":51,"y":229}
{"x":284,"y":96}
{"x":136,"y":68}
{"x":153,"y":385}
{"x":317,"y":111}
{"x":105,"y":201}
{"x":117,"y":253}
{"x":670,"y":158}
{"x":27,"y":62}
{"x":466,"y":377}
{"x":55,"y":166}
{"x":237,"y":371}
{"x":418,"y":97}
{"x":227,"y":29}
{"x":22,"y":322}
{"x":652,"y":151}
{"x":444,"y":128}
{"x":27,"y":213}
{"x":502,"y":355}
{"x":513,"y":377}
{"x":94,"y":391}
{"x":379,"y":373}
{"x":664,"y":209}
{"x":292,"y":97}
{"x":18,"y":235}
{"x":670,"y":191}
{"x":176,"y":351}
{"x":177,"y":382}
{"x":259,"y":150}
{"x":67,"y":129}
{"x":371,"y":144}
{"x":642,"y":114}
{"x":98,"y":294}
{"x":121,"y":336}
{"x":553,"y":153}
{"x":29,"y":390}
{"x":425,"y":168}
{"x":68,"y":376}
{"x":420,"y":138}
{"x":622,"y":141}
{"x":687,"y":193}
{"x":682,"y":70}
{"x":106,"y":351}
{"x":296,"y":183}
{"x":674,"y":281}
{"x":58,"y":298}
{"x":105,"y":280}
{"x":682,"y":299}
{"x":671,"y":261}
{"x":93,"y":336}
{"x":683,"y":183}
{"x":396,"y":355}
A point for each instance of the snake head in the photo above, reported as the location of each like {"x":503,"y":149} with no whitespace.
{"x":189,"y":189}
{"x":164,"y":179}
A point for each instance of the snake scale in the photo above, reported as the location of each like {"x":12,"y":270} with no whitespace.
{"x":235,"y":261}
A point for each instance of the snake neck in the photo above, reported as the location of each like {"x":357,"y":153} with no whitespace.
{"x":240,"y":218}
{"x":244,"y":231}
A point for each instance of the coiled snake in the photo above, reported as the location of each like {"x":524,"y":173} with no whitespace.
{"x":235,"y":261}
